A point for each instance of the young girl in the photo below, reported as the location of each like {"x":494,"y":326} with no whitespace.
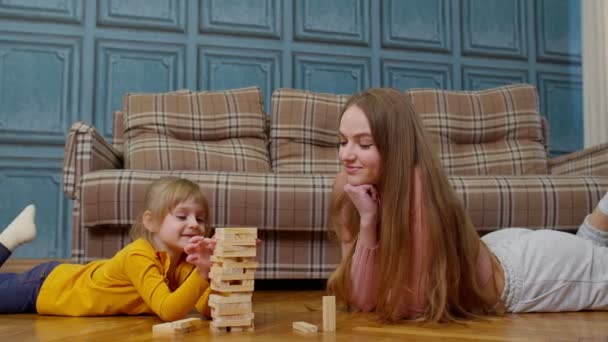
{"x":411,"y":252}
{"x":151,"y":275}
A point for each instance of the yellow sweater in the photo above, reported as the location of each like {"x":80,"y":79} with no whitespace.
{"x":135,"y":281}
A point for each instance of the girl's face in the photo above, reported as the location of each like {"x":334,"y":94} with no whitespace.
{"x":358,"y":153}
{"x":186,"y":220}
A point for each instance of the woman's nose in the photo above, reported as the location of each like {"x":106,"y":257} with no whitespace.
{"x":346,"y":153}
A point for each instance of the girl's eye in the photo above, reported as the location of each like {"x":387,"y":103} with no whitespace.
{"x":342,"y":143}
{"x":200,"y":220}
{"x":365,"y":147}
{"x":181,"y":217}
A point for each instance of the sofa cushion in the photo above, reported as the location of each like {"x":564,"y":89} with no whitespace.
{"x":303,"y":132}
{"x":490,"y":132}
{"x":184,"y":130}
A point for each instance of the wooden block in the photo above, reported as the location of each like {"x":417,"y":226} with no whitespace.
{"x":236,"y":234}
{"x":180,"y":326}
{"x":304,"y":327}
{"x":217,"y":329}
{"x":235,"y":251}
{"x":249,"y":275}
{"x":237,"y":230}
{"x":231,"y":323}
{"x":232,"y":298}
{"x":329,"y":313}
{"x":237,"y":286}
{"x":236,"y":242}
{"x":235,"y":318}
{"x":230,"y":309}
{"x":227,"y":270}
{"x":234,"y":262}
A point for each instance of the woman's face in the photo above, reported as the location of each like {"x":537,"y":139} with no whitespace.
{"x":358,"y":153}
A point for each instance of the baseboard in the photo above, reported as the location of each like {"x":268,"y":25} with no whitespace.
{"x":22,"y":265}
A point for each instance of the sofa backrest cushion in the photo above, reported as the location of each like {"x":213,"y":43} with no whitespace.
{"x":304,"y":131}
{"x":184,"y":130}
{"x":496,"y":131}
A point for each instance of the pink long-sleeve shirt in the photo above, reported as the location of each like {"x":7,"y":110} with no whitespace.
{"x":364,"y":267}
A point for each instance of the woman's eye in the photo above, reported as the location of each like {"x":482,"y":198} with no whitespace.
{"x":342,"y":143}
{"x":181,"y":217}
{"x":366,"y":146}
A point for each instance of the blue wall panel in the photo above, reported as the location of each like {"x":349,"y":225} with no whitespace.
{"x":341,"y":21}
{"x":494,"y":28}
{"x":562,"y":100}
{"x":67,"y":60}
{"x":222,"y":68}
{"x":42,"y":188}
{"x":253,"y":17}
{"x":39,"y":87}
{"x":127,"y":67}
{"x":558,"y":29}
{"x":476,"y":78}
{"x":331,"y":73}
{"x":69,"y":11}
{"x":148,"y":14}
{"x":414,"y":24}
{"x":406,"y":74}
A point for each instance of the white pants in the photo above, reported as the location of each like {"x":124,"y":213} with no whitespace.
{"x":549,"y":271}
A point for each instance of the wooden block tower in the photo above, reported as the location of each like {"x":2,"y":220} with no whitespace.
{"x":232,"y":277}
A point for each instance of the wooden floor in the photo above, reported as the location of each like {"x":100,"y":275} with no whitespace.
{"x":276,"y":310}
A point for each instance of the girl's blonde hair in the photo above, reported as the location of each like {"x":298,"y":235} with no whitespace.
{"x":162,"y":196}
{"x":453,"y":243}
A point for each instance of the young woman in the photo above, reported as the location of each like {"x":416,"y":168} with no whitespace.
{"x":410,"y":250}
{"x":151,"y":275}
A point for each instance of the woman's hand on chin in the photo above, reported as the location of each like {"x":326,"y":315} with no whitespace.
{"x":366,"y":199}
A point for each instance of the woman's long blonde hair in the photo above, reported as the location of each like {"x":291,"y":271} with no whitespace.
{"x":162,"y":196}
{"x":453,"y":291}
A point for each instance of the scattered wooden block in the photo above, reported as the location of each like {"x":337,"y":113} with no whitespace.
{"x":180,"y":326}
{"x":304,"y":327}
{"x":329,"y":313}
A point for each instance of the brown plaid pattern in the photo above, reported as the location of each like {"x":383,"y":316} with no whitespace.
{"x":587,"y":162}
{"x":294,"y":207}
{"x":303,"y":132}
{"x":495,"y":131}
{"x":86,"y":151}
{"x":289,"y":210}
{"x":290,"y":207}
{"x":217,"y":131}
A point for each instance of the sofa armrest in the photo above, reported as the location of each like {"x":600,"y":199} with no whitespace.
{"x":86,"y":151}
{"x":592,"y":161}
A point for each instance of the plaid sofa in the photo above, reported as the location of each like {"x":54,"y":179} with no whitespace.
{"x":275,"y":172}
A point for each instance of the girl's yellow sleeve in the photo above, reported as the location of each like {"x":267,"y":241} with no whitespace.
{"x":147,"y":275}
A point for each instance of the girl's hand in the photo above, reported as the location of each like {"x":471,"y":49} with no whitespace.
{"x":199,"y":250}
{"x":366,"y":199}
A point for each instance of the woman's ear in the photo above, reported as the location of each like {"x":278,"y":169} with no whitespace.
{"x":149,"y":221}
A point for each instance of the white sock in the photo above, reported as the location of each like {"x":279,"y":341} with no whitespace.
{"x":21,"y":230}
{"x":603,"y":205}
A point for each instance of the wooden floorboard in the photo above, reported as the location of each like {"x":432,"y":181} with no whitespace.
{"x":275,"y":310}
